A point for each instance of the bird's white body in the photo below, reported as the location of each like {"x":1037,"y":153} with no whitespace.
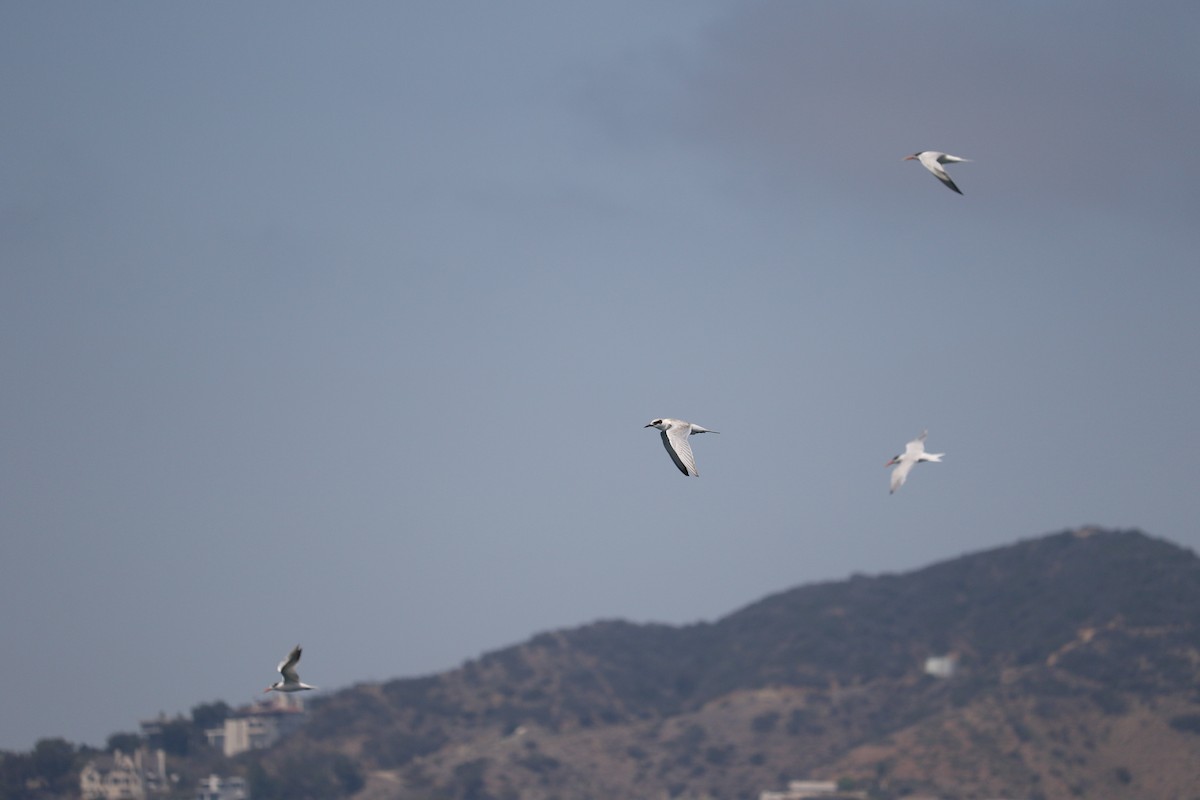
{"x":932,"y":160}
{"x":291,"y":680}
{"x":914,"y":453}
{"x":675,"y":433}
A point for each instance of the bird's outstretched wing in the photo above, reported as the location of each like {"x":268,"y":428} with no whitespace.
{"x":944,"y":177}
{"x":675,"y":439}
{"x":933,"y":160}
{"x":900,"y":473}
{"x":287,"y":667}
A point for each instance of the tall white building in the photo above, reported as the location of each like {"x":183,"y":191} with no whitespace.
{"x":258,"y":726}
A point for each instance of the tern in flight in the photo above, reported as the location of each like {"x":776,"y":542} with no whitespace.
{"x":291,"y":681}
{"x":932,"y":160}
{"x":914,"y":452}
{"x":675,"y":433}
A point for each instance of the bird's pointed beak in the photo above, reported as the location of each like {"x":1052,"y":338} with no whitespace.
{"x":648,"y":425}
{"x":908,"y":158}
{"x":269,"y":688}
{"x":890,"y":462}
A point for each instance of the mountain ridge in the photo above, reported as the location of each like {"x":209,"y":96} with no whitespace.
{"x":1064,"y":666}
{"x":1095,"y":623}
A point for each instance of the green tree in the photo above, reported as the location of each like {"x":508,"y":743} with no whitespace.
{"x":53,"y":758}
{"x":125,"y":742}
{"x":177,"y":737}
{"x":15,"y":770}
{"x":210,"y":715}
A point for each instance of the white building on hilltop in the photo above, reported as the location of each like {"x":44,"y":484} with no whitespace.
{"x":941,"y":666}
{"x":124,"y":777}
{"x":258,"y":726}
{"x":809,"y":790}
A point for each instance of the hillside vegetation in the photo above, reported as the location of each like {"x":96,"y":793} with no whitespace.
{"x":1078,"y":656}
{"x":1071,"y":648}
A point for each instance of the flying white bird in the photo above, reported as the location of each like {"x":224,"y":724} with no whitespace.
{"x":675,"y":433}
{"x":291,"y":681}
{"x":932,"y":160}
{"x":914,"y":452}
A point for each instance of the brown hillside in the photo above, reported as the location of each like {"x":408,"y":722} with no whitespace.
{"x":1078,"y":656}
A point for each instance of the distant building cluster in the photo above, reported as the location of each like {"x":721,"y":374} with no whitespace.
{"x":142,"y":775}
{"x":118,"y":776}
{"x":257,"y":726}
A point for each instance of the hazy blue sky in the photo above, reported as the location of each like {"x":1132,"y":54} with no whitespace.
{"x":339,"y":323}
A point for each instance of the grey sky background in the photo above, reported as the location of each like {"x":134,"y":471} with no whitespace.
{"x":339,"y":324}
